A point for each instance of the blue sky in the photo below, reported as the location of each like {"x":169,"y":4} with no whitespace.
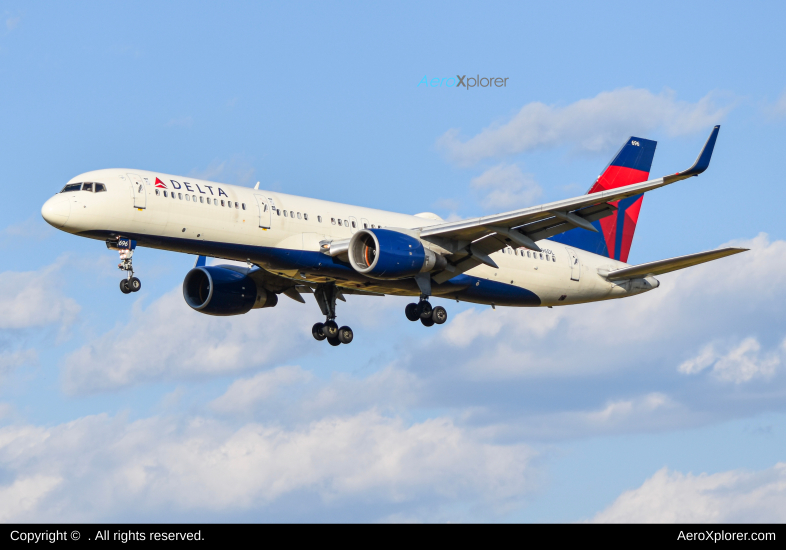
{"x":667,"y":406}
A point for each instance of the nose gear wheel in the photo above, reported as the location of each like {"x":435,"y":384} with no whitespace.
{"x":130,"y":283}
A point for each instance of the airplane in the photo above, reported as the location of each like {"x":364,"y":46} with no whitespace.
{"x":566,"y":252}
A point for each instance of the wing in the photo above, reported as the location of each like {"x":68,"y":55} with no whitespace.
{"x":469,"y":242}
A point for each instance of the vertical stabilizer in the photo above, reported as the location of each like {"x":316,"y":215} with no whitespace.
{"x":615,"y":233}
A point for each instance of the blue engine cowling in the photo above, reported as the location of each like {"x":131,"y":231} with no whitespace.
{"x":387,"y":254}
{"x":216,"y":290}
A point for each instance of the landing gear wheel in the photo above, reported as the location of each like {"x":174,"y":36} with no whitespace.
{"x":330,"y":330}
{"x":124,"y":286}
{"x":439,"y":315}
{"x":345,"y":335}
{"x":427,"y":321}
{"x":424,"y":309}
{"x":411,"y":311}
{"x":334,"y":341}
{"x":316,"y":332}
{"x":134,"y":284}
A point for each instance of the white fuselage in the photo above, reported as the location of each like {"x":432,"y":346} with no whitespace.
{"x":227,"y":221}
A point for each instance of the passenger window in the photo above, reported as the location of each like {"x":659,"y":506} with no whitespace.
{"x":353,"y":224}
{"x":173,"y":194}
{"x":157,"y":192}
{"x":285,"y":213}
{"x":180,"y":196}
{"x":333,"y":221}
{"x":553,"y":258}
{"x":365,"y":225}
{"x":346,"y":224}
{"x":100,"y":187}
{"x":237,"y":205}
{"x":278,"y":212}
{"x":319,"y":219}
{"x":208,"y":200}
{"x":244,"y":206}
{"x":187,"y":198}
{"x":87,"y":187}
{"x":291,"y":214}
{"x":165,"y":194}
{"x":201,"y":199}
{"x":305,"y":216}
{"x":528,"y":254}
{"x":541,"y":256}
{"x":339,"y":222}
{"x":298,"y":215}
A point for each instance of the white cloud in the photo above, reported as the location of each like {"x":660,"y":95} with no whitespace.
{"x":24,"y":494}
{"x":168,"y":340}
{"x":506,"y":187}
{"x":98,"y":468}
{"x":692,"y":304}
{"x":741,"y":363}
{"x":735,"y":496}
{"x":244,"y":393}
{"x":595,"y":124}
{"x":34,"y":299}
{"x":650,"y":412}
{"x":10,"y":360}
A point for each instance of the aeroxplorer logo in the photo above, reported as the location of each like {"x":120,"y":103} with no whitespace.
{"x":464,"y":82}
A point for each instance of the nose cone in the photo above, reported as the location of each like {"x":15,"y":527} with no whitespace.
{"x":56,"y":210}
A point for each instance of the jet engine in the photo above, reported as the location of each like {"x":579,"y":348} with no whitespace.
{"x":217,"y":290}
{"x":388,"y":254}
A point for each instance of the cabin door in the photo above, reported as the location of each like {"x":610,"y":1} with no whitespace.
{"x":140,"y":193}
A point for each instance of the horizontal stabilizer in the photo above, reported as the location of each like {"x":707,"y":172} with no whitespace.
{"x":672,"y":264}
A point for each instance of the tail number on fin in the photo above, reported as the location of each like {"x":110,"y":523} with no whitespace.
{"x":634,"y":142}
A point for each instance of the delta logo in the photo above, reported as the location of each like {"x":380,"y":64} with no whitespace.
{"x":160,"y":184}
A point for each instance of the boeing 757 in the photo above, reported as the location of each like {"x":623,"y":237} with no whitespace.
{"x":562,"y":253}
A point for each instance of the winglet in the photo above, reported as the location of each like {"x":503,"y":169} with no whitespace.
{"x":200,"y":261}
{"x":703,"y":160}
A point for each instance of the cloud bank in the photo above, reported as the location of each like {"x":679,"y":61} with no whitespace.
{"x":594,"y":124}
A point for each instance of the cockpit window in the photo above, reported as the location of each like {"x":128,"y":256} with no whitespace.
{"x":87,"y":187}
{"x":72,"y":187}
{"x":100,"y":187}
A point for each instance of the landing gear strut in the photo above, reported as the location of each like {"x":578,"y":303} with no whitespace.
{"x":326,"y":295}
{"x":126,"y":249}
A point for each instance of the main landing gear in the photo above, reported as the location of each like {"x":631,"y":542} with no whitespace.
{"x":130,"y":283}
{"x":428,"y":315}
{"x":326,"y":295}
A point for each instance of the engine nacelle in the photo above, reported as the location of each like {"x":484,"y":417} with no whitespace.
{"x":387,"y":254}
{"x":216,"y":290}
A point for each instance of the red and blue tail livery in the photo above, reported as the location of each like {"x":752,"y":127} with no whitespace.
{"x":615,"y":233}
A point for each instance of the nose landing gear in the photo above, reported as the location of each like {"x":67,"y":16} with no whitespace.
{"x":326,"y":296}
{"x":126,"y":249}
